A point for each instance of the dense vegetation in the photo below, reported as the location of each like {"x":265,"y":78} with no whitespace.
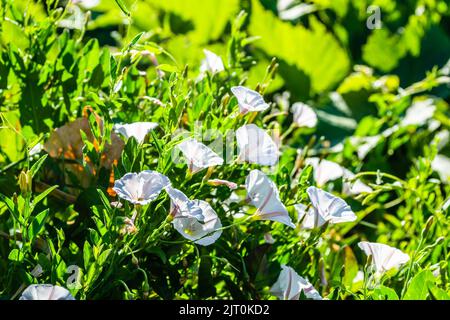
{"x":358,"y":112}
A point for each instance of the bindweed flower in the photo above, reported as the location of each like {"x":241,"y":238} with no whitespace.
{"x":353,"y":188}
{"x":129,"y":227}
{"x":198,"y":156}
{"x":290,"y":285}
{"x":181,"y":205}
{"x":256,"y":146}
{"x":249,"y":100}
{"x":212,"y":63}
{"x":137,"y":130}
{"x":324,"y":170}
{"x":202,"y":232}
{"x":36,"y":149}
{"x":304,"y":115}
{"x":441,"y":164}
{"x":384,"y":257}
{"x":365,"y":144}
{"x":325,"y":208}
{"x":141,"y":188}
{"x":87,"y":4}
{"x":419,"y":113}
{"x":219,"y":182}
{"x":268,"y":238}
{"x":46,"y":292}
{"x":263,"y":194}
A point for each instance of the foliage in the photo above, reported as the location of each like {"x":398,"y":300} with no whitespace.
{"x":65,"y":62}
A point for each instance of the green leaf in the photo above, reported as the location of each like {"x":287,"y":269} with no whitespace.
{"x":308,"y":56}
{"x":350,"y":267}
{"x":87,"y":254}
{"x":384,"y":293}
{"x":16,"y":255}
{"x":168,"y":68}
{"x":37,"y":224}
{"x":418,"y":287}
{"x":103,"y":257}
{"x":42,"y":195}
{"x":206,"y":27}
{"x":123,"y":7}
{"x":438,"y":293}
{"x":37,"y":165}
{"x":382,"y":50}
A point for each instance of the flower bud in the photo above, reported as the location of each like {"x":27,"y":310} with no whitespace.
{"x":25,"y":182}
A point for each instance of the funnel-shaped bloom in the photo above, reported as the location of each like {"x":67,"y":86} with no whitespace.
{"x":419,"y":113}
{"x":198,"y":156}
{"x":46,"y":292}
{"x":201,"y":232}
{"x":137,"y":130}
{"x":289,"y":286}
{"x":256,"y":146}
{"x":249,"y":100}
{"x":354,"y":188}
{"x":324,"y":170}
{"x":181,"y":205}
{"x":384,"y":257}
{"x":441,"y":164}
{"x":325,"y":208}
{"x":212,"y":63}
{"x":141,"y":188}
{"x":304,"y":115}
{"x":263,"y":194}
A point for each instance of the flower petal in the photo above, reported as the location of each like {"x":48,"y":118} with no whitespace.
{"x":249,"y":100}
{"x":256,"y":146}
{"x":46,"y":292}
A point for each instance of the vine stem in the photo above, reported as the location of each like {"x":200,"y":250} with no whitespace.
{"x":374,"y":173}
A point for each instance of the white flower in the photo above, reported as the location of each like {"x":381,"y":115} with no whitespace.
{"x":354,"y":188}
{"x":290,"y":10}
{"x":181,"y":205}
{"x":325,"y":208}
{"x":46,"y":292}
{"x":141,"y":188}
{"x":249,"y":100}
{"x":219,"y":182}
{"x":268,"y":238}
{"x":201,"y":232}
{"x":256,"y":146}
{"x":365,"y":144}
{"x":384,"y":257}
{"x":263,"y":194}
{"x":324,"y":170}
{"x":36,"y":149}
{"x":289,"y":286}
{"x":137,"y":130}
{"x":446,"y":205}
{"x":212,"y":63}
{"x":441,"y":164}
{"x":443,"y":138}
{"x":87,"y":4}
{"x":304,"y":115}
{"x":359,"y":277}
{"x":419,"y":113}
{"x":198,"y":156}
